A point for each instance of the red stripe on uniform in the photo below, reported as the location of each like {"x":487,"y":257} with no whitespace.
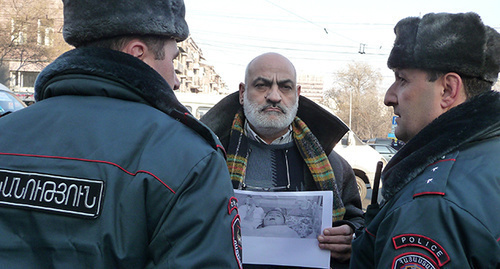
{"x":368,"y":232}
{"x":445,"y":160}
{"x":91,"y":161}
{"x":428,"y":193}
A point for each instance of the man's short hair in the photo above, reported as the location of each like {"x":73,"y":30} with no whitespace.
{"x":473,"y":86}
{"x":154,"y":43}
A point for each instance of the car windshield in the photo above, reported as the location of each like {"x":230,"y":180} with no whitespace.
{"x":9,"y":102}
{"x":384,"y":149}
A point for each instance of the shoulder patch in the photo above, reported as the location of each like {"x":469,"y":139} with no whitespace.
{"x":416,"y":240}
{"x":412,"y":260}
{"x":237,"y":241}
{"x":232,"y":205}
{"x":75,"y":197}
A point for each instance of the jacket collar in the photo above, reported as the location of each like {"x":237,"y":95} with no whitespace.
{"x":474,"y":120}
{"x":326,"y":127}
{"x":84,"y":71}
{"x":142,"y":83}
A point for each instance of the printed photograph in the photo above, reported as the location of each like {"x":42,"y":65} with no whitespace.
{"x":290,"y":217}
{"x":281,"y":228}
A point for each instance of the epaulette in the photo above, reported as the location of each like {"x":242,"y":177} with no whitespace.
{"x":434,"y":179}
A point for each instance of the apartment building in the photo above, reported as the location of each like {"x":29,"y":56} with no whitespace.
{"x":31,"y":38}
{"x":311,"y":86}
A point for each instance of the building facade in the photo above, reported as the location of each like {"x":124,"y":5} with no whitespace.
{"x":311,"y":86}
{"x":31,"y":38}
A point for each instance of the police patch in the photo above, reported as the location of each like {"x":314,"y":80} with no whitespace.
{"x":237,"y":242}
{"x":53,"y":194}
{"x":416,"y":240}
{"x":232,"y":205}
{"x":413,"y":261}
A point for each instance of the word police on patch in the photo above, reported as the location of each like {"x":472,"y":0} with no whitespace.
{"x":420,"y":241}
{"x":53,"y":194}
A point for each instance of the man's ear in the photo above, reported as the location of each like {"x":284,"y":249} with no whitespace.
{"x":453,"y":93}
{"x":299,"y":87}
{"x":242,"y":90}
{"x":136,"y":48}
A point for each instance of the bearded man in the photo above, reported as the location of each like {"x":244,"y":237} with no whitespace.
{"x":277,"y":140}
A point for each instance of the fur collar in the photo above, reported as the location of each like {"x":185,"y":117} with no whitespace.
{"x":326,"y":127}
{"x":124,"y":69}
{"x":474,"y":120}
{"x":126,"y":78}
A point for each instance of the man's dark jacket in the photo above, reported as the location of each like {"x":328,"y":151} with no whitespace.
{"x":327,"y":128}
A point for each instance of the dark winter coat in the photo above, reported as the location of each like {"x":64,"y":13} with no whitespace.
{"x":109,"y":170}
{"x":442,"y":189}
{"x":327,"y":128}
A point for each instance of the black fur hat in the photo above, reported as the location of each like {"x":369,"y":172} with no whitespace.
{"x":447,"y":42}
{"x":90,"y":20}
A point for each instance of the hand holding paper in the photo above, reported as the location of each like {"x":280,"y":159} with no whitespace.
{"x":338,"y":241}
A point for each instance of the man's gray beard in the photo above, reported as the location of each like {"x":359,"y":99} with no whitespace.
{"x":261,"y":121}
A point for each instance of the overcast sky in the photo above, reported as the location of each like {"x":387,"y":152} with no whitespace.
{"x":319,"y":36}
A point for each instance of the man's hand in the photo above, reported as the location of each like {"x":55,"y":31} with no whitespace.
{"x":338,"y":241}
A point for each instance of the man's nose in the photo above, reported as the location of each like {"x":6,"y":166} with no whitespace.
{"x":390,"y":98}
{"x":274,"y":95}
{"x":177,"y":83}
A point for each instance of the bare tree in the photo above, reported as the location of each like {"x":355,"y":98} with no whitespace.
{"x":356,"y":99}
{"x":30,"y":33}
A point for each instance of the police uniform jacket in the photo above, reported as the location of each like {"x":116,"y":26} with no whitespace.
{"x":109,"y":170}
{"x":442,"y":196}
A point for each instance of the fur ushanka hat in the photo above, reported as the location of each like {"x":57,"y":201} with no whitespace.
{"x":447,"y":42}
{"x":90,"y":20}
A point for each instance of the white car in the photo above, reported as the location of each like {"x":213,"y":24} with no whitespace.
{"x":9,"y":102}
{"x":362,"y":158}
{"x":385,"y":150}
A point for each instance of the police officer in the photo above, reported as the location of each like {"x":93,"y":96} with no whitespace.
{"x":107,"y":169}
{"x":441,"y":188}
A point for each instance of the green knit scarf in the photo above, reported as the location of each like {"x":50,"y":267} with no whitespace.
{"x":309,"y":148}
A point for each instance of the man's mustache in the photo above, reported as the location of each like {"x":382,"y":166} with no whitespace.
{"x":283,"y":110}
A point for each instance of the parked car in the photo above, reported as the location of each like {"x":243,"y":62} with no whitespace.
{"x":198,"y":104}
{"x":362,"y":158}
{"x":387,"y":151}
{"x":378,"y":140}
{"x":9,"y":102}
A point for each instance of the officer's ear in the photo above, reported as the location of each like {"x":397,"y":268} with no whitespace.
{"x":136,"y":48}
{"x":453,"y":91}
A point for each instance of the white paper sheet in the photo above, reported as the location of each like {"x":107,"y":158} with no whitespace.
{"x":291,"y":240}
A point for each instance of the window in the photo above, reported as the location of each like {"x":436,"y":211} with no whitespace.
{"x":202,"y":110}
{"x":45,"y":32}
{"x":18,"y":31}
{"x":29,"y":78}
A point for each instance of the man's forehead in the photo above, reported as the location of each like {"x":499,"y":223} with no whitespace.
{"x":271,"y":64}
{"x":272,"y":79}
{"x":271,"y":73}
